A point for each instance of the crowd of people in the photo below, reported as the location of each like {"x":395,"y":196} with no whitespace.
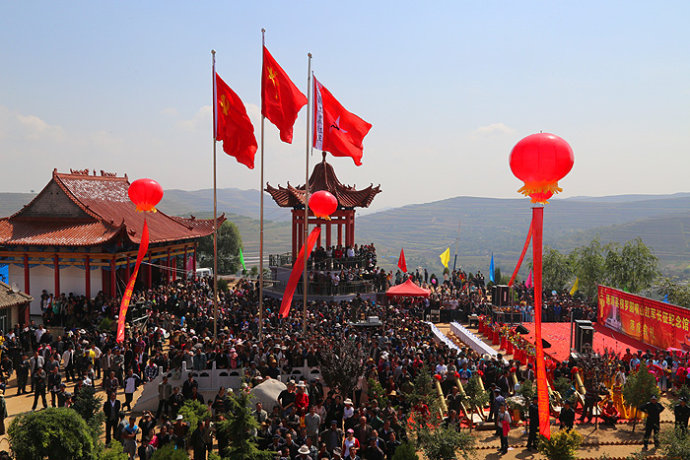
{"x":309,"y":420}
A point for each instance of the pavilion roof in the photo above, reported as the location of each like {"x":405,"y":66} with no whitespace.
{"x":104,"y":212}
{"x":9,"y":297}
{"x":323,"y":178}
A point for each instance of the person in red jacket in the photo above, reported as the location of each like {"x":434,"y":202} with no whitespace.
{"x":301,"y":399}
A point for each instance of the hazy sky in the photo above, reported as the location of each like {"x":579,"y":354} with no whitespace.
{"x":449,"y":87}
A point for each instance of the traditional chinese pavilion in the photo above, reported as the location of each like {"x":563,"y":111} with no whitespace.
{"x":323,"y":178}
{"x":80,"y":234}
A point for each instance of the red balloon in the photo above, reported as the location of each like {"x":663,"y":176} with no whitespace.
{"x":146,"y":194}
{"x":323,"y":204}
{"x":541,"y":160}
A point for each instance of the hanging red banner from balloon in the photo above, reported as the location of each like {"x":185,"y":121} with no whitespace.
{"x":127,"y":296}
{"x":297,"y":270}
{"x":542,"y":390}
{"x":522,"y":256}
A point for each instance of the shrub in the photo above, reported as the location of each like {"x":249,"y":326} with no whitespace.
{"x":442,"y":443}
{"x":106,"y":324}
{"x":562,"y":445}
{"x":57,"y":433}
{"x":114,"y":452}
{"x":675,"y":444}
{"x":376,"y":391}
{"x":170,"y":452}
{"x":405,"y":451}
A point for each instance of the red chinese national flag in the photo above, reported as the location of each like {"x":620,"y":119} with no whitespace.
{"x":335,"y":129}
{"x":233,"y":126}
{"x":281,"y":101}
{"x":402,"y":265}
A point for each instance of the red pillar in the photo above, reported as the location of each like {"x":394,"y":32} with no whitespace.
{"x":328,"y":234}
{"x":294,"y":235}
{"x":318,"y":243}
{"x":174,"y":269}
{"x":340,"y":231}
{"x":27,"y":278}
{"x":167,"y":272}
{"x":56,"y":269}
{"x":87,"y":277}
{"x":184,"y":264}
{"x":127,"y":274}
{"x":113,"y":278}
{"x":149,"y":274}
{"x":352,"y":229}
{"x":194,"y":264}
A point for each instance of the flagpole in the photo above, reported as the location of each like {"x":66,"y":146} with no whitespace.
{"x":261,"y":218}
{"x":306,"y":197}
{"x":215,"y":210}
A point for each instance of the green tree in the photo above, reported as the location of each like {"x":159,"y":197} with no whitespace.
{"x":193,"y":412}
{"x":341,"y":365}
{"x":588,"y":262}
{"x":631,"y":267}
{"x":557,"y":271}
{"x":678,"y":293}
{"x":170,"y":452}
{"x":563,"y":445}
{"x":443,"y":443}
{"x":675,"y":444}
{"x":239,"y":428}
{"x":638,"y":388}
{"x":114,"y":452}
{"x":229,"y":244}
{"x":475,"y":396}
{"x":88,"y":405}
{"x":406,"y":451}
{"x":56,"y":433}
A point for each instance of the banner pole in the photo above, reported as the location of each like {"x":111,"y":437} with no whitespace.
{"x":261,"y":193}
{"x":542,"y":390}
{"x":306,"y":196}
{"x":215,"y":209}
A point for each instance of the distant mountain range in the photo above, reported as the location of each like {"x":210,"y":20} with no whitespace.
{"x":481,"y":225}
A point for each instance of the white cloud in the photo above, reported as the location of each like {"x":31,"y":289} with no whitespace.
{"x":201,"y":120}
{"x":494,"y":128}
{"x":33,"y":127}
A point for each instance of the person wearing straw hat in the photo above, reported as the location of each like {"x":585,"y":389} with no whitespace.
{"x":304,"y":453}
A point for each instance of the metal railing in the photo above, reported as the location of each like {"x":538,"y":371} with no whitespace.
{"x":329,"y":289}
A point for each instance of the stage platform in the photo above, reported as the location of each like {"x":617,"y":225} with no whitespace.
{"x":558,"y":335}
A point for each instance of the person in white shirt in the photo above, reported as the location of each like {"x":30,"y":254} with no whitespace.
{"x":131,"y":382}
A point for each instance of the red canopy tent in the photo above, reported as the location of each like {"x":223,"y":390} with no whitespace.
{"x":407,"y":289}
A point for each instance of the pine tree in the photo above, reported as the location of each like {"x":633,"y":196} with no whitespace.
{"x":239,"y":429}
{"x":639,"y":388}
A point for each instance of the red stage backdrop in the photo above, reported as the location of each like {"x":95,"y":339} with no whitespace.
{"x":655,"y":323}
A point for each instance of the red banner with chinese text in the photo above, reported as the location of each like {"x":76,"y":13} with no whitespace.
{"x":127,"y":296}
{"x":655,"y":323}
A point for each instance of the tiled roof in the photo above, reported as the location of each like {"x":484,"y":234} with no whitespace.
{"x":9,"y":298}
{"x":109,"y":211}
{"x":323,"y":178}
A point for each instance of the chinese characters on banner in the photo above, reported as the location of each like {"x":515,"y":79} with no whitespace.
{"x":652,"y":322}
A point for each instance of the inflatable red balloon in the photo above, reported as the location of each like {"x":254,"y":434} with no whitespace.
{"x":323,"y":204}
{"x":540,"y":161}
{"x":146,"y":194}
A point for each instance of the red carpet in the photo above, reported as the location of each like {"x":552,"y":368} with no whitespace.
{"x":557,"y":334}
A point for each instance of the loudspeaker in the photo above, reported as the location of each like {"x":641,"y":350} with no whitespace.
{"x":520,"y":329}
{"x":584,"y":336}
{"x":499,"y":295}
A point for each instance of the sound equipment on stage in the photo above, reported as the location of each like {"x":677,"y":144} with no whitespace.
{"x":520,"y":329}
{"x":584,"y":336}
{"x":545,"y":344}
{"x":500,"y":295}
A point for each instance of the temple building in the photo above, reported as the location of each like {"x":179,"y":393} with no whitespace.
{"x":80,"y":235}
{"x":323,"y":178}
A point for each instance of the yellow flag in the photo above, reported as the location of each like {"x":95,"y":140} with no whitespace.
{"x":445,"y":257}
{"x":576,"y":284}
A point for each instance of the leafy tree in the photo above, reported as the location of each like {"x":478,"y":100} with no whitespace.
{"x":563,"y":445}
{"x":638,"y":388}
{"x":56,"y":433}
{"x":678,"y":293}
{"x":675,"y":444}
{"x":376,"y":391}
{"x":193,"y":412}
{"x":442,"y":443}
{"x":341,"y":365}
{"x":88,"y":405}
{"x":114,"y":452}
{"x":170,"y":452}
{"x":475,"y":396}
{"x":229,"y":244}
{"x":406,"y":451}
{"x":632,"y":267}
{"x":556,"y":269}
{"x":239,"y":428}
{"x":588,"y":263}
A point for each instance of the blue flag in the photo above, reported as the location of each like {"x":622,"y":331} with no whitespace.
{"x":491,"y":269}
{"x":4,"y":273}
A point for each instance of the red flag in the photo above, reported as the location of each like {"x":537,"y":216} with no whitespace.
{"x":335,"y":129}
{"x":297,"y":270}
{"x":402,"y":265}
{"x":281,"y":101}
{"x":124,"y":304}
{"x":522,"y":256}
{"x":232,"y":125}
